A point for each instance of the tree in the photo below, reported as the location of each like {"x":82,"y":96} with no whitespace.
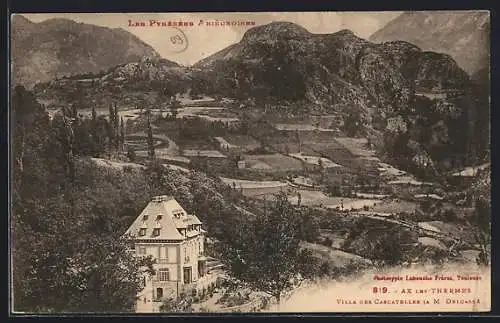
{"x":174,"y":108}
{"x":67,"y":253}
{"x":94,"y":114}
{"x":65,"y":137}
{"x":270,"y":260}
{"x":74,"y":111}
{"x":180,"y":305}
{"x":481,"y":221}
{"x":122,"y":134}
{"x":297,"y":138}
{"x":116,"y":126}
{"x":151,"y":146}
{"x":352,"y":124}
{"x":131,"y":154}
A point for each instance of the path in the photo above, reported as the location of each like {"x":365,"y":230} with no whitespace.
{"x":172,"y":149}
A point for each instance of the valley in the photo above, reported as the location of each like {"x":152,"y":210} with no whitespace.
{"x":356,"y":156}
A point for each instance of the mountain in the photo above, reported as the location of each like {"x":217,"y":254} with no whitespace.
{"x":415,"y":103}
{"x":334,"y":71}
{"x":58,"y":47}
{"x":462,"y":34}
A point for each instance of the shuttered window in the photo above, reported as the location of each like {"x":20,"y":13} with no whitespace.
{"x":162,"y":254}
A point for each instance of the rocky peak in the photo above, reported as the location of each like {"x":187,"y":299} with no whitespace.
{"x":275,"y":30}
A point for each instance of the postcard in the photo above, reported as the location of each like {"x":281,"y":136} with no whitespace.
{"x":272,"y":162}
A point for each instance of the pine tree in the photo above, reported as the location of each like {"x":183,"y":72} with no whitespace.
{"x":151,"y":147}
{"x":122,"y":134}
{"x":116,"y":126}
{"x":94,"y":115}
{"x":111,"y":129}
{"x":116,"y":120}
{"x":74,"y":111}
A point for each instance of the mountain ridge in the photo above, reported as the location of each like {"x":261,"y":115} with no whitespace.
{"x":417,"y":103}
{"x":462,"y":34}
{"x":61,"y":47}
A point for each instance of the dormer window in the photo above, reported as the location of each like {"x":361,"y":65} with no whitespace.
{"x":142,"y":232}
{"x":145,"y":218}
{"x":158,"y":217}
{"x":156,"y":232}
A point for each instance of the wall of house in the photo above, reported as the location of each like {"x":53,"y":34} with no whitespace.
{"x":190,"y":250}
{"x":175,"y":262}
{"x":171,"y":251}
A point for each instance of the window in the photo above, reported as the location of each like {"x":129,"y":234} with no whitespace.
{"x":141,"y":251}
{"x":178,"y":213}
{"x":145,"y":217}
{"x":162,"y":255}
{"x":158,"y":217}
{"x":163,"y":275}
{"x":156,"y":232}
{"x":142,"y":232}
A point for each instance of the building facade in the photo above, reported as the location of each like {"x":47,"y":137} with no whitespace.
{"x":176,"y":241}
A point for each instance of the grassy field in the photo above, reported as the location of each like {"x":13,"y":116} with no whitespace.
{"x":357,"y":146}
{"x":164,"y":154}
{"x":452,"y":229}
{"x":275,"y":162}
{"x":256,"y":188}
{"x":315,"y":160}
{"x":350,"y":203}
{"x":244,"y":142}
{"x":337,"y":258}
{"x":318,"y":198}
{"x":301,"y":127}
{"x":395,"y":206}
{"x":313,"y":143}
{"x":203,"y":153}
{"x":307,"y":197}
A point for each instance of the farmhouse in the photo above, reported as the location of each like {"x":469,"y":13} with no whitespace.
{"x":175,"y":240}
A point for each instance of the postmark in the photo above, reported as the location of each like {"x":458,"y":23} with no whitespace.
{"x":176,"y":39}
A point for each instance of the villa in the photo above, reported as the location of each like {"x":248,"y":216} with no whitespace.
{"x":176,"y":241}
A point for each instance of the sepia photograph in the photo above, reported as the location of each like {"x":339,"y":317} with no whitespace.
{"x":237,"y":162}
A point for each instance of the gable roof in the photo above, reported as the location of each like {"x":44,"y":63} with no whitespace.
{"x":166,"y":214}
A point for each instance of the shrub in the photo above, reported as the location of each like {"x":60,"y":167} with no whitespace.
{"x":327,"y":242}
{"x":131,"y":154}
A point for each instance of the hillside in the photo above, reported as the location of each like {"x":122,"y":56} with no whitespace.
{"x":333,"y":71}
{"x":419,"y":102}
{"x":57,"y":47}
{"x":462,"y":34}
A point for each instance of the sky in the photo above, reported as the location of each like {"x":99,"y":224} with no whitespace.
{"x":205,"y":40}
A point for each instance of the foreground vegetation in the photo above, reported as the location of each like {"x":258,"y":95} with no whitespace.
{"x":68,"y":214}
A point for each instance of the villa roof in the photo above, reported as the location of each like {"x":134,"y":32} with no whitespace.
{"x":163,"y":213}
